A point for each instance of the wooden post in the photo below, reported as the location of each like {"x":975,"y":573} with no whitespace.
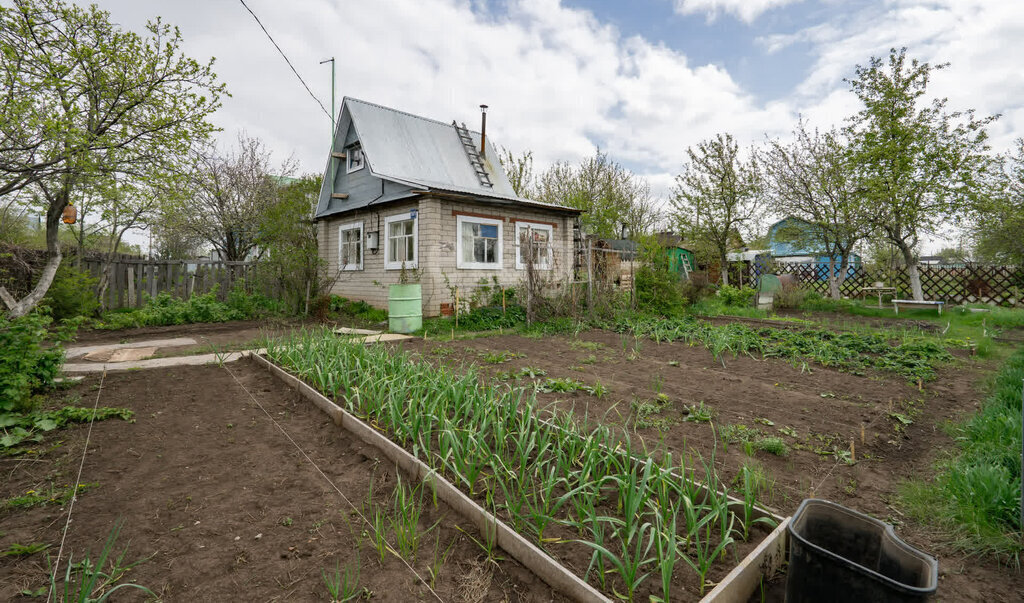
{"x":590,"y":278}
{"x":131,"y":286}
{"x":456,"y":310}
{"x":503,"y":300}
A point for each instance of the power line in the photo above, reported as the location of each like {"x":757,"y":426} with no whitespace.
{"x":324,"y":109}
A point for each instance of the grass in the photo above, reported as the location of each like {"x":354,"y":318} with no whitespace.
{"x":58,"y":495}
{"x":753,"y":440}
{"x":537,"y":470}
{"x":89,"y":581}
{"x":974,"y":497}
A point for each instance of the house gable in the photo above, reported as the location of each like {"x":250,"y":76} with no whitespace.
{"x":407,"y":155}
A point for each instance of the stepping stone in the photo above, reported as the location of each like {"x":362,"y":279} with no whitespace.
{"x":386,"y":337}
{"x":121,"y":355}
{"x":74,"y":352}
{"x":351,"y":331}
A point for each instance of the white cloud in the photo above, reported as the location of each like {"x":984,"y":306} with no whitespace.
{"x":559,"y":81}
{"x":745,"y":10}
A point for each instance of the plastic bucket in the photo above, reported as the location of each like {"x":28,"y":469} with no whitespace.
{"x":837,"y":554}
{"x":405,"y":308}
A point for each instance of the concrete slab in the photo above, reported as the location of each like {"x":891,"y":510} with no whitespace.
{"x":75,"y":352}
{"x":351,"y":331}
{"x":386,"y":337}
{"x":196,"y":360}
{"x":120,"y":355}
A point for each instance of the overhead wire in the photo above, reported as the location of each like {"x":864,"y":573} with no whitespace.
{"x":286,"y":60}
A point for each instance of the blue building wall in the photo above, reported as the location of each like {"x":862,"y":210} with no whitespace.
{"x":781,"y":246}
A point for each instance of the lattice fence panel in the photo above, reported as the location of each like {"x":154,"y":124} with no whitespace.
{"x":971,"y":283}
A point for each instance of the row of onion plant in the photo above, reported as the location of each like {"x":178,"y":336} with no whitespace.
{"x":914,"y":357}
{"x":565,"y":488}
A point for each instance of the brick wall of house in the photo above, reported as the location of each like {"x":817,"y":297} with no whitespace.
{"x":438,"y":272}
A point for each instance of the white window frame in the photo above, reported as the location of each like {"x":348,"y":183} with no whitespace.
{"x":349,"y":154}
{"x":362,"y":248}
{"x":461,"y":263}
{"x":551,"y":240}
{"x":389,"y":262}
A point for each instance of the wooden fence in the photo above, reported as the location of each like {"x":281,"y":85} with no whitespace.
{"x":131,"y":281}
{"x":970,"y":283}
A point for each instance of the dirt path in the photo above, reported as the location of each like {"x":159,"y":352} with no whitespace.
{"x":224,"y":507}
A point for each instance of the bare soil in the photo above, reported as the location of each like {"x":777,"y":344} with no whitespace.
{"x":828,"y":410}
{"x":221,"y":506}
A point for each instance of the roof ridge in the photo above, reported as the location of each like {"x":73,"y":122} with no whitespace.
{"x":380,"y":106}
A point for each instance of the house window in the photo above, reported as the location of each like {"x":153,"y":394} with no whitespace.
{"x":350,"y":246}
{"x":537,"y":237}
{"x":401,"y":241}
{"x":354,"y":157}
{"x":479,"y":243}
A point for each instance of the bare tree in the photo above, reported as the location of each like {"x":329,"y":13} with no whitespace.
{"x":718,"y":196}
{"x":811,"y":179}
{"x":227,"y":195}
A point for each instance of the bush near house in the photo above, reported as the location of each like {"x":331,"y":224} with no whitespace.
{"x":164,"y":310}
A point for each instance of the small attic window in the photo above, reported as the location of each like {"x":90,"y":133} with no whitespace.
{"x":354,"y":157}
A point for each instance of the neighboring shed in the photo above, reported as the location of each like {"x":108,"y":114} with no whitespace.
{"x":792,"y":241}
{"x":407,"y":196}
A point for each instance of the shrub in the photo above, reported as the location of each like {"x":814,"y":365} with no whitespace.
{"x":737,"y":296}
{"x":790,"y":296}
{"x":359,"y":310}
{"x":491,"y":317}
{"x":659,"y":291}
{"x":72,"y":293}
{"x":27,"y":365}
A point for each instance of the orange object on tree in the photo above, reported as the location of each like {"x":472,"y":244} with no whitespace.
{"x":70,"y":215}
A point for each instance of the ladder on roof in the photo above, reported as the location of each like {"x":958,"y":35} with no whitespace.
{"x":473,"y":154}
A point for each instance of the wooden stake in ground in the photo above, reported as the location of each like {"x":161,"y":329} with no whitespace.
{"x":853,"y":453}
{"x":456,"y":310}
{"x":862,"y":434}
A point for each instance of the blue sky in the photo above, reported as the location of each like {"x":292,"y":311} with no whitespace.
{"x":644,"y":80}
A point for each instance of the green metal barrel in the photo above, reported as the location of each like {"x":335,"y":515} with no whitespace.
{"x":405,"y":308}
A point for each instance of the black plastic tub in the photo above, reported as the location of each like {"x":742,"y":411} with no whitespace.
{"x":837,"y":554}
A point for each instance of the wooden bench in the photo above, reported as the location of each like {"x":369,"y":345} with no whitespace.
{"x":913,"y":303}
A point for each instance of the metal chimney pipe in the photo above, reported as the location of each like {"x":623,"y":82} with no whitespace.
{"x":483,"y":130}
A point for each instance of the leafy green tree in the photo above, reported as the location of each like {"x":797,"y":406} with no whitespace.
{"x":810,"y":179}
{"x":85,"y":99}
{"x":997,"y":227}
{"x":288,"y":236}
{"x":718,"y":197}
{"x":917,"y":164}
{"x":610,"y":196}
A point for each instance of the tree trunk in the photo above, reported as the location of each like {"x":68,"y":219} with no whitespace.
{"x":912,"y":272}
{"x":844,"y":267}
{"x":725,"y":269}
{"x":19,"y":308}
{"x":833,"y":287}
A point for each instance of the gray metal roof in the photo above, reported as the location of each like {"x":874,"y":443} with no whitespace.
{"x":423,"y":153}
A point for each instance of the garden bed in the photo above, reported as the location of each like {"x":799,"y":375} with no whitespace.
{"x":609,"y":517}
{"x":222,"y":506}
{"x":824,"y":407}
